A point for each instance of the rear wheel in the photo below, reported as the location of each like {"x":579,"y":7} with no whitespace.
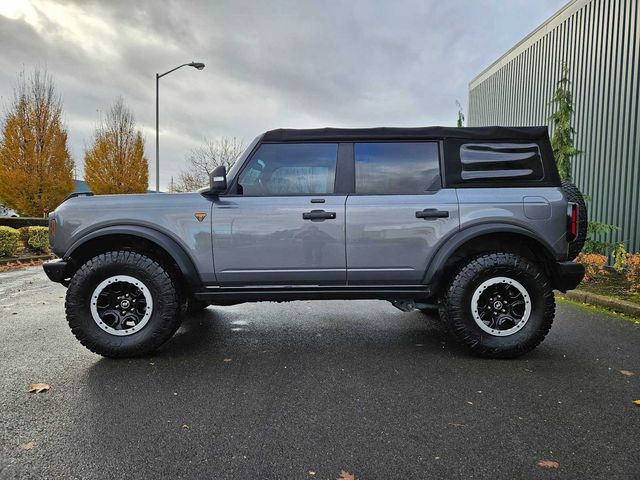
{"x":122,"y":304}
{"x":499,"y":305}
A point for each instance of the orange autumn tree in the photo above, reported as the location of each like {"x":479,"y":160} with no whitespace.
{"x":115,"y":163}
{"x":36,"y":170}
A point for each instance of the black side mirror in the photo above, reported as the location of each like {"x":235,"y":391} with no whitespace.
{"x":218,"y":180}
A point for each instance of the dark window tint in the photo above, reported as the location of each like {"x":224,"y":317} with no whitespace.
{"x":290,"y":169}
{"x":398,"y":168}
{"x":490,"y":161}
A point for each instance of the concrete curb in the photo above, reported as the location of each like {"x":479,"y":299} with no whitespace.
{"x":616,"y":304}
{"x":4,"y":261}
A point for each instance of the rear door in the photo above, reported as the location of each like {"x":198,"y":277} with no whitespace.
{"x":398,"y":213}
{"x":284,"y":223}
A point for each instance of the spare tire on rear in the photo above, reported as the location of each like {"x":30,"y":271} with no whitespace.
{"x":574,"y":195}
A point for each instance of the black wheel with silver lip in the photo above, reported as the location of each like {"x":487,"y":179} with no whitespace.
{"x":122,"y":304}
{"x":499,"y":305}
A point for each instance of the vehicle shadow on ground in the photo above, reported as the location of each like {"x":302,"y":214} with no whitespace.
{"x":270,"y":381}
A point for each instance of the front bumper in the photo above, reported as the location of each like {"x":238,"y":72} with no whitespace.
{"x":568,"y":275}
{"x":56,"y":270}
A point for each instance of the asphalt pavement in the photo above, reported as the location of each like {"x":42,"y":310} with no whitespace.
{"x":303,"y":390}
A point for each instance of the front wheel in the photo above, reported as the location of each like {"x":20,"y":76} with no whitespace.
{"x":499,"y":305}
{"x":122,"y":304}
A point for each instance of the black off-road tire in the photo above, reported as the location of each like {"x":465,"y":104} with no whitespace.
{"x":574,"y":195}
{"x":456,"y":311}
{"x":164,"y":319}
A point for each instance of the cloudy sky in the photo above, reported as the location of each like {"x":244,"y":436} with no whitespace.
{"x":269,"y":64}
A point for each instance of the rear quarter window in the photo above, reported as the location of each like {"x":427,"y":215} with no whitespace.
{"x":509,"y":163}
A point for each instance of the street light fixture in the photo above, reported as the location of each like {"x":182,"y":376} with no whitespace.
{"x":197,"y":65}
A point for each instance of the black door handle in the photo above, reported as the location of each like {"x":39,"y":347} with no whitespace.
{"x":318,"y":215}
{"x":429,"y":213}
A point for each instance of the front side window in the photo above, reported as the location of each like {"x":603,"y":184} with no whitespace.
{"x":290,"y":169}
{"x":397,"y":168}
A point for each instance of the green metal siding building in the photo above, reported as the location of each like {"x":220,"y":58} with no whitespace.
{"x":600,"y":43}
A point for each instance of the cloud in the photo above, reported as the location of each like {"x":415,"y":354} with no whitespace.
{"x":269,"y":64}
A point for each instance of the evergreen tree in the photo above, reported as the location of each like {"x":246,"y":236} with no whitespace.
{"x":460,"y":121}
{"x":562,"y":140}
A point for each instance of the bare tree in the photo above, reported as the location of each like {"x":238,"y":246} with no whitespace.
{"x":202,"y":160}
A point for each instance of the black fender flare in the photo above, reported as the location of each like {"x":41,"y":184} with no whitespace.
{"x":177,"y":253}
{"x":452,"y":243}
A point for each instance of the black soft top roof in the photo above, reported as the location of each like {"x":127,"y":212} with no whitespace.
{"x":398,"y":133}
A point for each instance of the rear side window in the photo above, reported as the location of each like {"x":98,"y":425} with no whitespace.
{"x":397,"y":168}
{"x":290,"y":169}
{"x":500,"y":160}
{"x":489,"y":162}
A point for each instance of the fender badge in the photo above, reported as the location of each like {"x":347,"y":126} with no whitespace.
{"x":200,"y":216}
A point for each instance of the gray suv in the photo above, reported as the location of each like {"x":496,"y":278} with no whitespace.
{"x":473,"y":223}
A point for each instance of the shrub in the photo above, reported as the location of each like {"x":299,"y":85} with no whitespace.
{"x":598,"y":229}
{"x":594,"y":266}
{"x":620,"y":256}
{"x":633,"y":272}
{"x":9,"y":238}
{"x":24,"y":236}
{"x":39,"y":239}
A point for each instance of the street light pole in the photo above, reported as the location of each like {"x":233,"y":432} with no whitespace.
{"x":157,"y":135}
{"x":197,"y":65}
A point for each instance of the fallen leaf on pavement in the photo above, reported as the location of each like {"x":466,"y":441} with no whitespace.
{"x":628,"y":373}
{"x":344,"y":475}
{"x":637,"y":402}
{"x":38,"y":387}
{"x":27,"y":446}
{"x":548,"y":464}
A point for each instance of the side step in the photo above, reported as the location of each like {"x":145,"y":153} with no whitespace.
{"x":411,"y":305}
{"x":234,"y":295}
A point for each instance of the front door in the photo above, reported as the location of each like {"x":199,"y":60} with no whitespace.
{"x":283,"y":224}
{"x":398,"y":213}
